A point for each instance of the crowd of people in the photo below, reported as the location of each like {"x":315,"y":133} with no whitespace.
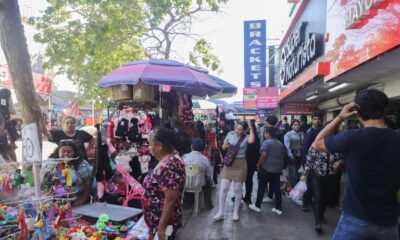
{"x":318,"y":154}
{"x":281,"y":154}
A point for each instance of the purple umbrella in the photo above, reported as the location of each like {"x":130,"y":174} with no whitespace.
{"x":181,"y":77}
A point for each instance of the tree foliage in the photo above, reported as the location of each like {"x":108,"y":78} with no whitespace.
{"x":86,"y":39}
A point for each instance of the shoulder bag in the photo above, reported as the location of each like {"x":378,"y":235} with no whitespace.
{"x":232,"y":152}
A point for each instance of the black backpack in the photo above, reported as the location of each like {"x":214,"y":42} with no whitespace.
{"x":122,"y":128}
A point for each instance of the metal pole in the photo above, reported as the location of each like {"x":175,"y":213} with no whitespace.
{"x":50,"y":110}
{"x":36,"y":178}
{"x":93,"y":112}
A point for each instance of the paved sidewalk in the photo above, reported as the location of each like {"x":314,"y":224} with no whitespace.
{"x":293,"y":224}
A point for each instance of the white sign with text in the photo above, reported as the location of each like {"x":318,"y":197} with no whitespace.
{"x":30,"y":143}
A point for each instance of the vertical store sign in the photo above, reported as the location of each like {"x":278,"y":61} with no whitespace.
{"x":255,"y":53}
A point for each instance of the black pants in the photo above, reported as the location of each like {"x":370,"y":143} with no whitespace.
{"x":273,"y":179}
{"x":333,"y":200}
{"x":322,"y":187}
{"x":207,"y":188}
{"x":249,"y":181}
{"x":308,"y":195}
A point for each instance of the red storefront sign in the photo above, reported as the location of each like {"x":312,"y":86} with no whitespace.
{"x":298,"y":108}
{"x":260,"y":98}
{"x":42,"y":83}
{"x":359,"y":30}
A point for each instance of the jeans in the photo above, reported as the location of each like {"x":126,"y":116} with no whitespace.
{"x":293,"y":169}
{"x":352,"y":228}
{"x":273,"y":179}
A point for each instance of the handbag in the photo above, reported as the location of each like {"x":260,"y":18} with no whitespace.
{"x":232,"y":152}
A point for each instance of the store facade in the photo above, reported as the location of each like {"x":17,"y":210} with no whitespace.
{"x":302,"y":60}
{"x":363,"y":51}
{"x":361,"y":48}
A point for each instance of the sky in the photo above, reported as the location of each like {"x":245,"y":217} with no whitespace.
{"x":224,"y":31}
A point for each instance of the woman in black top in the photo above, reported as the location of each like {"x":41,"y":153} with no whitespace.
{"x":69,"y":132}
{"x":252,"y":155}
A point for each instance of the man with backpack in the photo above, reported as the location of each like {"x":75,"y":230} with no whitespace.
{"x":370,"y":209}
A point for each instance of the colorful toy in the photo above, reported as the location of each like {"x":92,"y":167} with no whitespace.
{"x":17,"y":179}
{"x":58,"y":188}
{"x":29,"y":210}
{"x":22,"y":225}
{"x":67,"y":175}
{"x":101,"y":223}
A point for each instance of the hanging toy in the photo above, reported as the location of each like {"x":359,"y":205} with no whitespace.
{"x":59,"y":171}
{"x":8,"y":187}
{"x":59,"y":218}
{"x":22,"y":225}
{"x":17,"y":179}
{"x":68,"y":177}
{"x":43,"y":227}
{"x":52,"y":213}
{"x":69,"y":212}
{"x":29,"y":178}
{"x":29,"y":210}
{"x":58,"y":188}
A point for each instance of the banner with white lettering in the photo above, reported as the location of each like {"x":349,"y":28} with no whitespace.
{"x":255,"y":53}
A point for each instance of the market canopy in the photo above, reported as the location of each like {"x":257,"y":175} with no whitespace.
{"x":226,"y":106}
{"x":228,"y":90}
{"x":181,"y":77}
{"x":203,"y":104}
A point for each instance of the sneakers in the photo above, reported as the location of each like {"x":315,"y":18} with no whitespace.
{"x":254,"y":208}
{"x":235,"y":217}
{"x":277,"y":211}
{"x":218,"y":217}
{"x":267,"y":200}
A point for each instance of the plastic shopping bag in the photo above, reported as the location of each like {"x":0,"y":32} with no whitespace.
{"x":298,"y":191}
{"x":139,"y":230}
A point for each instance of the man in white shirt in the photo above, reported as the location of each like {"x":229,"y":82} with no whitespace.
{"x":196,"y":157}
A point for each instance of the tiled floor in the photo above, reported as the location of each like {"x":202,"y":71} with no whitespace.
{"x":292,"y":225}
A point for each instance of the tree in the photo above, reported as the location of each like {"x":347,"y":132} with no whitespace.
{"x":13,"y":43}
{"x":171,"y":19}
{"x":86,"y":39}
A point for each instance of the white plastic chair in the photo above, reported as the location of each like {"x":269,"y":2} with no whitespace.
{"x":195,"y":181}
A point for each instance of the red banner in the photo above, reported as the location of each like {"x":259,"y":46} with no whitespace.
{"x":298,"y":108}
{"x":42,"y":83}
{"x":360,"y":30}
{"x":260,"y":98}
